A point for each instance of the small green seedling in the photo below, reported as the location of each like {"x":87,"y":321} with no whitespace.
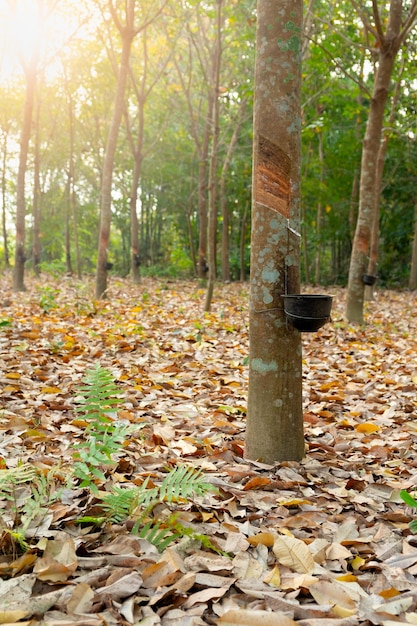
{"x":412,"y":502}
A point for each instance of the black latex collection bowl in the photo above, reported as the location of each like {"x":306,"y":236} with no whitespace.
{"x":369,"y":279}
{"x":307,"y":312}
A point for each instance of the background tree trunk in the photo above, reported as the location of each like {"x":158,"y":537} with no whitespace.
{"x":20,"y":255}
{"x":413,"y":268}
{"x":213,"y":179}
{"x":374,"y":246}
{"x":388,"y":46}
{"x":223,"y":193}
{"x":128,"y":34}
{"x":4,"y":200}
{"x":36,"y":205}
{"x":275,"y":417}
{"x":317,"y":264}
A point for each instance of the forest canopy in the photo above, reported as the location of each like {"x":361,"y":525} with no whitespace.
{"x":60,"y":63}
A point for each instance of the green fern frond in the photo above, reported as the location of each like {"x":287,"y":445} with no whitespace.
{"x":10,"y":478}
{"x":103,"y":436}
{"x":158,"y":536}
{"x":136,"y":504}
{"x":122,"y":503}
{"x":183,"y":483}
{"x":99,"y":395}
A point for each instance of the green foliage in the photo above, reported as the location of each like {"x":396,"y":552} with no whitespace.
{"x":47,"y":298}
{"x":103,"y":435}
{"x":29,"y":495}
{"x":135,"y":504}
{"x":412,"y":502}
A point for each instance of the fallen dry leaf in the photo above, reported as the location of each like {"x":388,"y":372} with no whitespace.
{"x":323,"y":542}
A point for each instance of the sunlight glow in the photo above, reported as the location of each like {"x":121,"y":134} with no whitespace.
{"x":29,"y":28}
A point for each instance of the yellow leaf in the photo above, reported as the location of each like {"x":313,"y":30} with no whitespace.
{"x":357,"y":562}
{"x":13,"y":375}
{"x":273,"y":578}
{"x":13,"y":616}
{"x":294,"y":502}
{"x":33,"y":433}
{"x":293,"y":553}
{"x":342,"y":611}
{"x":367,"y":427}
{"x":347,"y":578}
{"x":51,"y":390}
{"x":265,"y":539}
{"x":330,"y":385}
{"x":389,"y":593}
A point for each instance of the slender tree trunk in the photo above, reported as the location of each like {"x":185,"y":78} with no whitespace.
{"x":20,"y":256}
{"x":319,"y":215}
{"x":223,"y":194}
{"x":72,"y":192}
{"x":188,"y":214}
{"x":202,"y":196}
{"x":135,"y":260}
{"x":374,"y":246}
{"x":36,"y":209}
{"x":108,"y":166}
{"x":413,"y":268}
{"x":137,"y":168}
{"x":213,"y":178}
{"x":275,"y":417}
{"x":389,"y":45}
{"x":4,"y":201}
{"x":242,"y":242}
{"x":68,"y":212}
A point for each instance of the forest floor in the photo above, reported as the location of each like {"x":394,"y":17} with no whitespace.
{"x":323,"y":542}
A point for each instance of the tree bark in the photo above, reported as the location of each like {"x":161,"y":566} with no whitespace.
{"x":223,"y":194}
{"x":242,"y":242}
{"x":127,"y":34}
{"x":388,"y":46}
{"x":275,"y":417}
{"x":36,"y":208}
{"x":374,"y":245}
{"x":319,"y":217}
{"x":413,"y":268}
{"x":20,"y":255}
{"x":4,"y":201}
{"x":213,"y":179}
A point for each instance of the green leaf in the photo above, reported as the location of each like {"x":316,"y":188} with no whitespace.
{"x":408,"y":498}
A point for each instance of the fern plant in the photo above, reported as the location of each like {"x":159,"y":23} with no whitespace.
{"x":30,"y":494}
{"x":103,"y":436}
{"x":135,"y":504}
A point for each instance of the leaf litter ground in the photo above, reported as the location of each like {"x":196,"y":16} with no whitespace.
{"x":323,"y":542}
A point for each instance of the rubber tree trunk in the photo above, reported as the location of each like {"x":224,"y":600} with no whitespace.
{"x":223,"y":193}
{"x":213,"y":177}
{"x":389,"y":44}
{"x":319,"y":214}
{"x":108,"y":165}
{"x":4,"y":198}
{"x":20,"y":256}
{"x":275,"y":418}
{"x":413,"y":268}
{"x":374,"y":246}
{"x":36,"y":208}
